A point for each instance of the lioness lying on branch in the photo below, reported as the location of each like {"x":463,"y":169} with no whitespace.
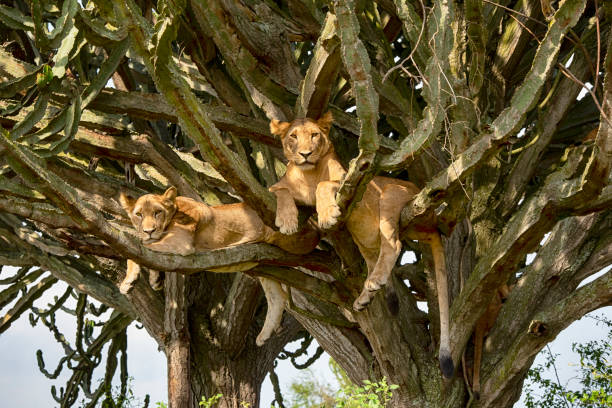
{"x":180,"y":225}
{"x":313,"y":177}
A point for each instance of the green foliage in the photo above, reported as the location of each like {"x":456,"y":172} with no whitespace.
{"x":371,"y":395}
{"x":594,"y":374}
{"x":310,"y":392}
{"x":210,"y":402}
{"x":45,"y":77}
{"x":160,"y":404}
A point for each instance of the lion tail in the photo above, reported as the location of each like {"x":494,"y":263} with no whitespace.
{"x":446,"y":361}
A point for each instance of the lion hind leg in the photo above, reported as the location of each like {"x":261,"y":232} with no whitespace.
{"x":392,"y":201}
{"x":277,"y":299}
{"x":131,"y":276}
{"x":156,"y":279}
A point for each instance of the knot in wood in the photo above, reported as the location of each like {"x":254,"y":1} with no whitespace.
{"x":537,"y":328}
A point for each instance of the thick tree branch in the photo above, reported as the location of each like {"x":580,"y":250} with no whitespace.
{"x":334,"y":292}
{"x":544,"y":327}
{"x":322,"y":72}
{"x":357,"y":62}
{"x":557,"y":107}
{"x":436,"y":87}
{"x":237,"y":314}
{"x":193,"y":118}
{"x":558,"y":197}
{"x":505,"y":125}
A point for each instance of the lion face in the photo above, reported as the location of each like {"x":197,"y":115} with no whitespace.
{"x":304,"y":141}
{"x":151,"y":213}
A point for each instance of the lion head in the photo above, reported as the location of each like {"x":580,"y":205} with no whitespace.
{"x":304,"y":141}
{"x":151,"y":213}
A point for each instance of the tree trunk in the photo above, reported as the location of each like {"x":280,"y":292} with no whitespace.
{"x":210,"y":347}
{"x":177,"y":341}
{"x":473,"y":101}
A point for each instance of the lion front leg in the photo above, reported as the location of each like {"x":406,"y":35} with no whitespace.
{"x":277,"y":299}
{"x":327,"y":209}
{"x":131,"y":276}
{"x":286,"y":212}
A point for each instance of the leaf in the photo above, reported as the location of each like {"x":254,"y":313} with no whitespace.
{"x":64,"y":24}
{"x":95,"y":31}
{"x":62,"y":57}
{"x":15,"y":19}
{"x":40,"y":32}
{"x":55,"y":125}
{"x":73,"y":116}
{"x":25,"y":100}
{"x":10,"y":88}
{"x":106,"y":71}
{"x":45,"y":77}
{"x":32,"y":118}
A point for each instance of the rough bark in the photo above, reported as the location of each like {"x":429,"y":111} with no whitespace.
{"x":473,"y":101}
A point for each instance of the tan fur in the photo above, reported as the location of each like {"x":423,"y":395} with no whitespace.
{"x":180,"y":225}
{"x":483,"y":326}
{"x":313,"y":177}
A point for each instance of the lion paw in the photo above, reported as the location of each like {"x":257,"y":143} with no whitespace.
{"x":126,"y":286}
{"x":373,"y":284}
{"x":261,"y":339}
{"x":287,"y":222}
{"x":328,"y":216}
{"x":363,"y":300}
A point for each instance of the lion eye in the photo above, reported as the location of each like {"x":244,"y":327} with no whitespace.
{"x":315,"y":134}
{"x":138,"y":214}
{"x":158,"y":213}
{"x":293,"y":136}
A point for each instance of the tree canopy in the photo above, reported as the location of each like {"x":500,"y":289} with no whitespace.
{"x":477,"y":102}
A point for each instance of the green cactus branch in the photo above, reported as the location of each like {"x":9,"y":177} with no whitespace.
{"x":507,"y":123}
{"x":437,"y":89}
{"x":194,"y":119}
{"x":357,"y":62}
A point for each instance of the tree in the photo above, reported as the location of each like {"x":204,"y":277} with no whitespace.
{"x":474,"y":101}
{"x":594,"y":374}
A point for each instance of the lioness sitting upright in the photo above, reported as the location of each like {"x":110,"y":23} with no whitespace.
{"x":180,"y":225}
{"x":313,"y":177}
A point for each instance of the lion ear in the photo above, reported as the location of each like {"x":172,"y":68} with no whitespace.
{"x":126,"y":202}
{"x":279,"y":128}
{"x":325,"y":121}
{"x":169,"y":196}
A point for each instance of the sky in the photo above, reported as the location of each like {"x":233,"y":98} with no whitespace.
{"x":23,"y":386}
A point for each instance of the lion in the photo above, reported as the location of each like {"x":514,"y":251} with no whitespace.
{"x":313,"y":177}
{"x":180,"y":225}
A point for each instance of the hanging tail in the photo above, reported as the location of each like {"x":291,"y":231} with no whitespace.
{"x":446,"y":361}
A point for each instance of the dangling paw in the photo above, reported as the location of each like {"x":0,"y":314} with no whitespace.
{"x":328,"y":215}
{"x":363,"y":300}
{"x":127,"y":285}
{"x":262,"y":337}
{"x":373,"y":284}
{"x":287,"y":220}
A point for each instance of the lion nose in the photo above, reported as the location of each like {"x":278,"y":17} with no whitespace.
{"x":305,"y":155}
{"x":148,"y":231}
